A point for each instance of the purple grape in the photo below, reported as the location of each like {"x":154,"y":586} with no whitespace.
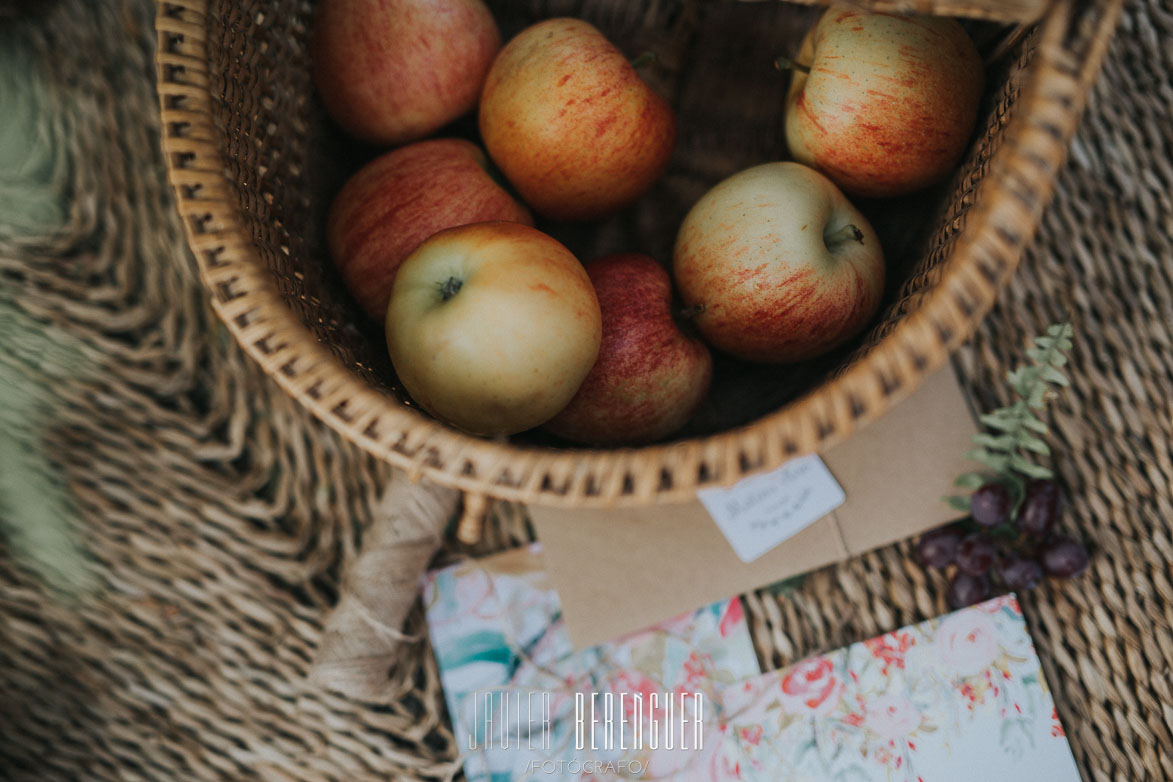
{"x":966,"y":589}
{"x":1021,"y":573}
{"x":1064,"y":557}
{"x":990,"y":505}
{"x":1039,"y":508}
{"x":938,"y":547}
{"x":975,"y":554}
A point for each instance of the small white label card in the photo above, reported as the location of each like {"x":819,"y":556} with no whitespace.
{"x":759,"y":512}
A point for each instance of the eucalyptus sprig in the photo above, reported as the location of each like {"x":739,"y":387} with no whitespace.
{"x":1016,"y":432}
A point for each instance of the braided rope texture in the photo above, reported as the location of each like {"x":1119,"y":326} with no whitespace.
{"x":209,"y":516}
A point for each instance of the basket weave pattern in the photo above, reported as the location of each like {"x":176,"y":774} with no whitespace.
{"x":250,"y":158}
{"x":215,"y":510}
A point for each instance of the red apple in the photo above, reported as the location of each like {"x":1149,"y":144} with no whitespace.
{"x":780,"y":265}
{"x":393,"y":71}
{"x":493,"y":326}
{"x":571,"y":124}
{"x":650,"y":376}
{"x":890,"y":102}
{"x":403,"y":197}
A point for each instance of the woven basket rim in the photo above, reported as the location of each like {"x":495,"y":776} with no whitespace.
{"x":986,"y":252}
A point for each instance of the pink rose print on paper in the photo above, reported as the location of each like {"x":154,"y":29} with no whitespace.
{"x":1056,"y":728}
{"x":752,"y":735}
{"x":811,"y":687}
{"x":967,"y":642}
{"x":890,"y":649}
{"x":996,"y":604}
{"x":732,"y":618}
{"x":722,"y":769}
{"x":639,"y":688}
{"x":696,"y":671}
{"x":892,"y":717}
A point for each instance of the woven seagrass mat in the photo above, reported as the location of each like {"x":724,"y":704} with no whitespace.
{"x":194,"y":521}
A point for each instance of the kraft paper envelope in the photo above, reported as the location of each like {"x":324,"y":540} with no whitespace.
{"x":618,"y":570}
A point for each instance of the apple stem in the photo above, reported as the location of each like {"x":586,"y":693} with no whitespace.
{"x":787,"y":64}
{"x":449,"y":288}
{"x":647,"y":58}
{"x":848,"y":233}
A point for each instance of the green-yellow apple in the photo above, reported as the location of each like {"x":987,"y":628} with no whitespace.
{"x":393,"y":71}
{"x":650,"y":376}
{"x":492,"y":326}
{"x":400,"y":199}
{"x":889,"y":103}
{"x":780,"y":266}
{"x":571,"y":124}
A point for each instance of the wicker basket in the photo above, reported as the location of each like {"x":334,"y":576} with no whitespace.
{"x":254,"y":163}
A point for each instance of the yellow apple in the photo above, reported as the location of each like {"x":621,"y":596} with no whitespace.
{"x":492,"y":327}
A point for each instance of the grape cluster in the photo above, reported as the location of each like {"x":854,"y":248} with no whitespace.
{"x":997,"y":546}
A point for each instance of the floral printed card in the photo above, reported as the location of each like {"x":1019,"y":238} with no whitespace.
{"x":953,"y":699}
{"x":525,"y":706}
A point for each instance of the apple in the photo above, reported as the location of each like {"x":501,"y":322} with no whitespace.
{"x":393,"y":71}
{"x":571,"y":124}
{"x":401,"y":198}
{"x":492,"y":327}
{"x":780,"y":266}
{"x":650,"y":376}
{"x":889,"y":103}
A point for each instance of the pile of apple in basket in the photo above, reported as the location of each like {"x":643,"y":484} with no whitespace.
{"x":495,"y":327}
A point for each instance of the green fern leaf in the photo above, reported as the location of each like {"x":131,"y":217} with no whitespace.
{"x":995,"y":463}
{"x":1002,"y":442}
{"x":957,"y":503}
{"x":1037,"y":396}
{"x":1051,"y":374}
{"x":1035,"y":425}
{"x":970,"y":480}
{"x":1015,"y":432}
{"x":1030,"y":469}
{"x":1035,"y":445}
{"x":1000,"y":420}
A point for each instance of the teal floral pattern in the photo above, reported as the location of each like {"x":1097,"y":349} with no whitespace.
{"x":503,"y":652}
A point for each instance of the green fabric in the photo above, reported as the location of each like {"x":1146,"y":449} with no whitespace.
{"x":30,"y":202}
{"x":35,"y":512}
